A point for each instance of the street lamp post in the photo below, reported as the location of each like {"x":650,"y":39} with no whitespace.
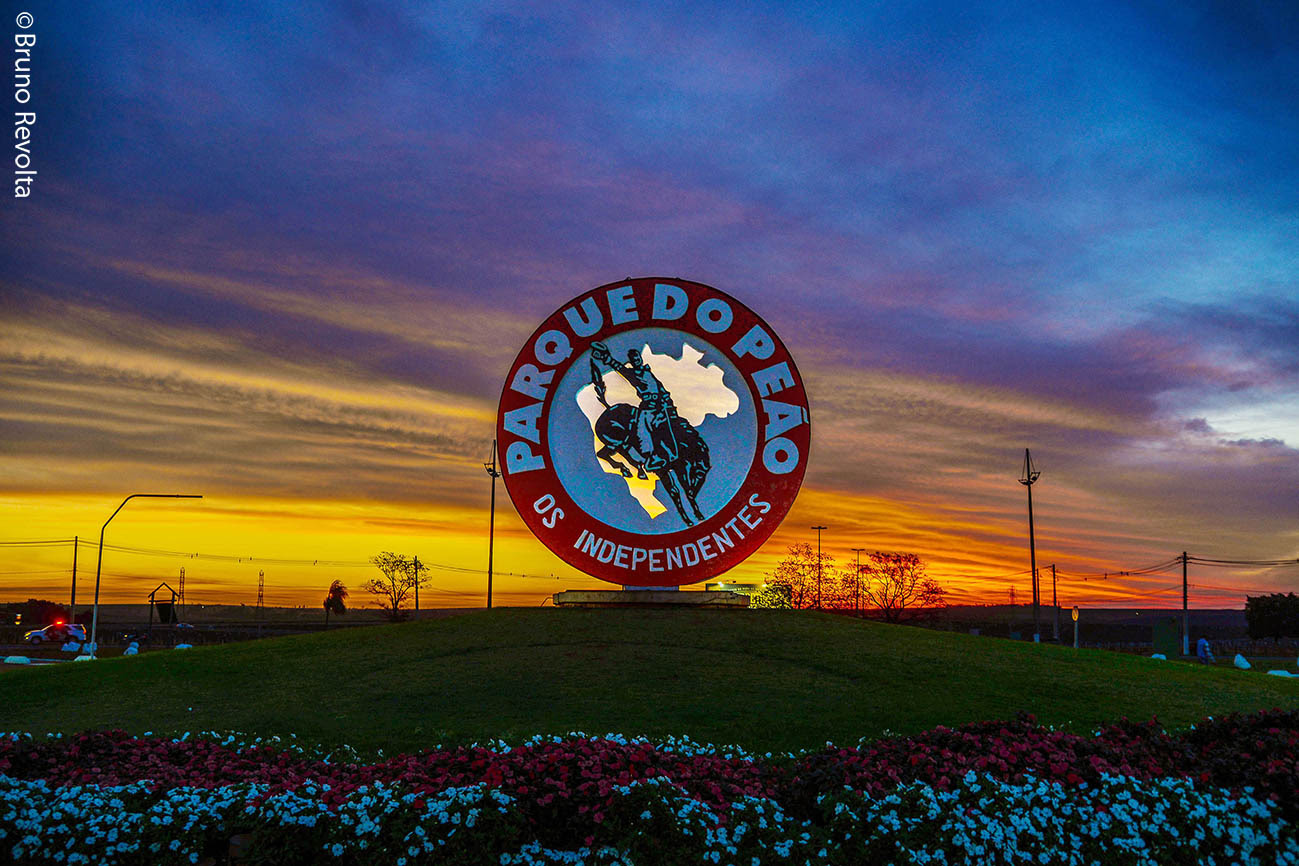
{"x":1055,"y":603}
{"x":72,"y":611}
{"x":1029,"y":476}
{"x":856,"y":591}
{"x":818,"y":564}
{"x":491,"y":521}
{"x":94,"y":620}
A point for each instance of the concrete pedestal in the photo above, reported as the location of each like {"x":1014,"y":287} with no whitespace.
{"x":643,"y":598}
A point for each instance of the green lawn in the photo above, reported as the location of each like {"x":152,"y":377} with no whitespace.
{"x":762,"y":679}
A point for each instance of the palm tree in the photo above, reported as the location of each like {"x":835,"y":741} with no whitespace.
{"x":334,"y":600}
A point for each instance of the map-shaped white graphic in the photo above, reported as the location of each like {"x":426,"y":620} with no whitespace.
{"x":697,"y":392}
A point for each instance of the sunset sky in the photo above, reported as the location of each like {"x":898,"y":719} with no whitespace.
{"x":282,"y":255}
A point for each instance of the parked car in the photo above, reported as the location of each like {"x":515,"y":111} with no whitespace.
{"x":58,"y":632}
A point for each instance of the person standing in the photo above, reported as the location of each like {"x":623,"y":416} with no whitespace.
{"x":1202,"y":651}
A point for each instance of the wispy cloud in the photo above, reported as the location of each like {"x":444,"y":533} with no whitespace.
{"x":298,"y":249}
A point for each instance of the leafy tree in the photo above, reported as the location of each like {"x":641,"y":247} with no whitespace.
{"x":1275,"y":615}
{"x":807,"y":584}
{"x":335,"y":600}
{"x":892,"y":582}
{"x":772,"y":595}
{"x":400,"y":576}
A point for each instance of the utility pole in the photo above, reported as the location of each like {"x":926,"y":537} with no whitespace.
{"x":818,"y":564}
{"x":1186,"y":613}
{"x":261,"y":586}
{"x":857,"y":582}
{"x":1030,"y":475}
{"x":181,"y":593}
{"x":1055,"y":603}
{"x":491,"y":522}
{"x":72,"y":605}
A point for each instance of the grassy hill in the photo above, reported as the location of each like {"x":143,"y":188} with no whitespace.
{"x":762,"y":679}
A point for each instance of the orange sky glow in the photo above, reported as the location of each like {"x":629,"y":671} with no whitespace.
{"x":255,"y":271}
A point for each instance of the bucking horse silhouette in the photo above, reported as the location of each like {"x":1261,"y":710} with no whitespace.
{"x":650,"y":437}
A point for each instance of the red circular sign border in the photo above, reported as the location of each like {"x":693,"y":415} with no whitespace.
{"x":742,"y":520}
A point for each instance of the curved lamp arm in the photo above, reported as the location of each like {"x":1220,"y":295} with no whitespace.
{"x":94,"y":621}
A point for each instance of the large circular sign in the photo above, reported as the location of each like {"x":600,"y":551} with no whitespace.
{"x":653,"y":432}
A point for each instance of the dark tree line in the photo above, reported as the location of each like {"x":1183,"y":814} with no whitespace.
{"x":1275,"y":615}
{"x":35,"y":612}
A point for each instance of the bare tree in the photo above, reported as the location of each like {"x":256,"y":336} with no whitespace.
{"x":839,"y":588}
{"x":400,"y":576}
{"x":798,"y":571}
{"x":335,"y":600}
{"x":892,"y":582}
{"x":932,"y":594}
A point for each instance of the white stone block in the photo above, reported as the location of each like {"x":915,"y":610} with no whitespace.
{"x":184,"y":646}
{"x":1160,"y":656}
{"x":1242,"y":662}
{"x":1282,"y":674}
{"x":17,"y":660}
{"x":130,"y":651}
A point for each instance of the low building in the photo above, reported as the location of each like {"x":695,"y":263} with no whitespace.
{"x":726,"y":586}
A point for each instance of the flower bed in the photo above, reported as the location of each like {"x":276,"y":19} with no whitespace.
{"x":1226,"y":791}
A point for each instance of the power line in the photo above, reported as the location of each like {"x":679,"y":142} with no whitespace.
{"x":431,"y":588}
{"x":1154,"y":592}
{"x":1244,"y":589}
{"x":234,"y":558}
{"x":1019,"y":573}
{"x":1157,"y":568}
{"x":1243,"y":563}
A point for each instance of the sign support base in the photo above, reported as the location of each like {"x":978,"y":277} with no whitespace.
{"x":651,"y":598}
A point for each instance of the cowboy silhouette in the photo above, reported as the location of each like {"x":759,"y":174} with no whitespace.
{"x":653,"y":420}
{"x":651,"y":436}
